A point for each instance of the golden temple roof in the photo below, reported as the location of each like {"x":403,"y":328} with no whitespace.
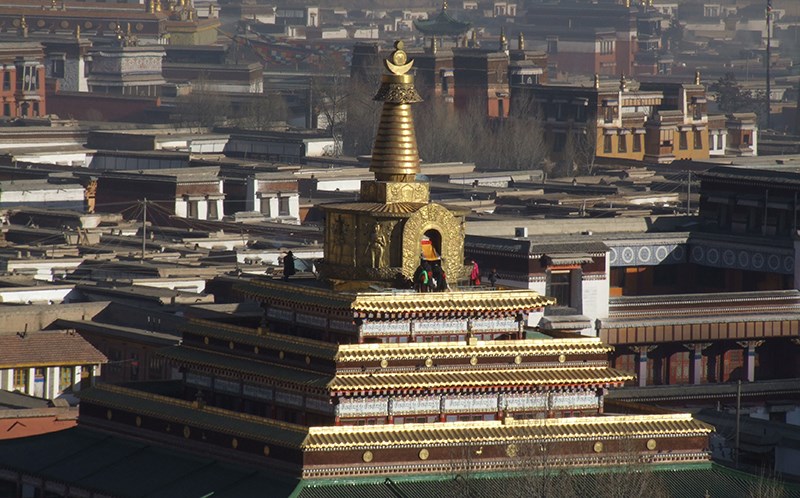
{"x":497,"y":432}
{"x":495,"y":300}
{"x":522,"y":377}
{"x":481,"y":349}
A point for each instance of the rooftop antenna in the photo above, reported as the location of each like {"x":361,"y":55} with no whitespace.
{"x":768,"y":61}
{"x":144,"y":227}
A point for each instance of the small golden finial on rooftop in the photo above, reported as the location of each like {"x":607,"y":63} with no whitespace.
{"x":503,"y":40}
{"x":444,"y":5}
{"x":697,"y":77}
{"x":521,"y":41}
{"x":596,"y":81}
{"x":623,"y":83}
{"x":77,"y":32}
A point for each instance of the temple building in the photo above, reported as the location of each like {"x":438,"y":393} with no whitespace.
{"x":355,"y":376}
{"x":442,"y":25}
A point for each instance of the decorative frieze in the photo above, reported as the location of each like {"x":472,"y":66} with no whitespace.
{"x":312,"y":320}
{"x":319,"y":405}
{"x":646,"y":255}
{"x":494,"y":325}
{"x":432,"y":326}
{"x":401,"y":327}
{"x":362,"y":407}
{"x":470,"y":404}
{"x":198,"y":380}
{"x":574,"y":400}
{"x":289,"y":399}
{"x":523,"y":402}
{"x":258,"y":392}
{"x":411,"y":406}
{"x":227,"y":386}
{"x":342,"y":325}
{"x":280,"y":314}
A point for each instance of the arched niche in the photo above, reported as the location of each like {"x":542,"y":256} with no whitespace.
{"x":434,"y":218}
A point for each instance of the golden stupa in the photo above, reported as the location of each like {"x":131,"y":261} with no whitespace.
{"x":382,"y":235}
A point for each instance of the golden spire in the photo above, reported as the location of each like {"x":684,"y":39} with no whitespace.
{"x":521,"y":41}
{"x":596,"y":81}
{"x":444,"y":5}
{"x":503,"y":39}
{"x":697,"y":77}
{"x":395,"y":157}
{"x":623,"y":83}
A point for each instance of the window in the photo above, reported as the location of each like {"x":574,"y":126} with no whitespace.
{"x":155,"y":367}
{"x":134,"y":366}
{"x":622,"y":143}
{"x":57,"y":68}
{"x":21,"y":379}
{"x":35,"y":108}
{"x":580,"y":114}
{"x":212,"y":210}
{"x":283,"y":206}
{"x":265,"y":206}
{"x":683,"y":141}
{"x":608,"y":114}
{"x":560,"y":288}
{"x":637,"y":143}
{"x":698,"y":139}
{"x":698,"y":112}
{"x":6,"y":80}
{"x":714,"y":142}
{"x":66,"y":377}
{"x":6,"y":109}
{"x":191,"y":210}
{"x":552,"y":46}
{"x":746,"y":139}
{"x":607,"y":144}
{"x":559,"y":142}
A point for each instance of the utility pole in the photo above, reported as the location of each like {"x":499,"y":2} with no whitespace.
{"x":769,"y":50}
{"x":689,"y":194}
{"x":738,"y":416}
{"x":144,"y":227}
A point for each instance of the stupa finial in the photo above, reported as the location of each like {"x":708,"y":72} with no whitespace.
{"x":395,"y":157}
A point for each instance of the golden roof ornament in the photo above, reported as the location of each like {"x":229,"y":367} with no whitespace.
{"x":623,"y":83}
{"x":697,"y":77}
{"x":503,"y":40}
{"x":395,"y":157}
{"x":521,"y":41}
{"x":596,"y":82}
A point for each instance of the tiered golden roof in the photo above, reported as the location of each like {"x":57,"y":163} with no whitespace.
{"x":468,"y":378}
{"x":480,"y":349}
{"x":495,"y":431}
{"x":496,"y":301}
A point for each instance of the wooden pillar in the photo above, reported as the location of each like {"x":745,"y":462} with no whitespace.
{"x":696,"y":351}
{"x":750,"y":358}
{"x":641,"y":370}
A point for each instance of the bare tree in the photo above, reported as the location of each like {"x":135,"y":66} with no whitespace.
{"x":363,"y":113}
{"x":263,"y":112}
{"x":330,"y":92}
{"x":203,"y":107}
{"x":580,"y":149}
